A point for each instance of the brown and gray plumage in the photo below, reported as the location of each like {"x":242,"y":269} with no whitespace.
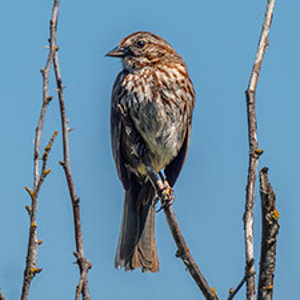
{"x":155,"y":91}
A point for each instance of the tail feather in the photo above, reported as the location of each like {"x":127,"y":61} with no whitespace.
{"x":136,"y":247}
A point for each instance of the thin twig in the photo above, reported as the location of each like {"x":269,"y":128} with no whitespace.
{"x":83,"y":277}
{"x":270,"y":231}
{"x":233,"y":292}
{"x":44,"y":171}
{"x":165,"y":192}
{"x":184,"y":253}
{"x":82,"y":262}
{"x":30,"y":268}
{"x":46,"y":97}
{"x":254,"y":152}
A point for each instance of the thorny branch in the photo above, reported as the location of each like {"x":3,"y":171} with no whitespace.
{"x":270,"y":230}
{"x":254,"y":152}
{"x":166,"y":195}
{"x":83,"y":263}
{"x":33,"y":242}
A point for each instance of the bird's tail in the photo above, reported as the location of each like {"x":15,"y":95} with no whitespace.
{"x":136,"y":247}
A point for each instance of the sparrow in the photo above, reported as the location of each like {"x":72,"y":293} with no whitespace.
{"x":151,"y":114}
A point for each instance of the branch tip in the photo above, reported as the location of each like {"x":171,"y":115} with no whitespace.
{"x":28,"y":209}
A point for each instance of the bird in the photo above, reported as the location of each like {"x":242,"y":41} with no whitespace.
{"x":155,"y":93}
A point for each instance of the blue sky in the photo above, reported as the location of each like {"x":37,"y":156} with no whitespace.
{"x":218,"y":40}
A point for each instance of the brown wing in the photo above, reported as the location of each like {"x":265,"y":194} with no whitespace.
{"x":173,"y":169}
{"x":116,"y":129}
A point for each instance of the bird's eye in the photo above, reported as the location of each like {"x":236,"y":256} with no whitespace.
{"x":140,"y":44}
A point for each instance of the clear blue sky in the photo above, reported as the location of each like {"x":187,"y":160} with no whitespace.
{"x":218,"y":41}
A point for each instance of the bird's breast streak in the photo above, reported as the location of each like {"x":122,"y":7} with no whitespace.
{"x":159,"y":128}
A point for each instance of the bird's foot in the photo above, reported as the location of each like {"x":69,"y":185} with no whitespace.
{"x":166,"y":194}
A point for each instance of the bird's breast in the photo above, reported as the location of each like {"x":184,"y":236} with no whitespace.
{"x":160,"y":109}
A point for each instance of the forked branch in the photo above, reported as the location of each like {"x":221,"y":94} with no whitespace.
{"x":254,"y":152}
{"x":82,"y":261}
{"x":33,"y":242}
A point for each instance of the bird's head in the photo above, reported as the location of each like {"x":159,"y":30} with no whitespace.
{"x":141,"y":49}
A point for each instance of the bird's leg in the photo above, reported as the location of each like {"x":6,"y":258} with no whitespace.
{"x":167,"y":196}
{"x":168,"y":190}
{"x":165,"y":192}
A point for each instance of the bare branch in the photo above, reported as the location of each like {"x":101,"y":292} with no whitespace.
{"x":270,"y":231}
{"x":254,"y":152}
{"x":83,"y":276}
{"x":30,"y":269}
{"x":46,"y":97}
{"x":233,"y":292}
{"x":44,"y":171}
{"x":82,"y":262}
{"x":166,"y":195}
{"x":184,"y":253}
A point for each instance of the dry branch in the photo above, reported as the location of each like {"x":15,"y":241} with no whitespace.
{"x":30,"y":269}
{"x":254,"y":152}
{"x":270,"y":230}
{"x":83,"y":277}
{"x":233,"y":292}
{"x":184,"y":253}
{"x":83,"y":263}
{"x":33,"y":242}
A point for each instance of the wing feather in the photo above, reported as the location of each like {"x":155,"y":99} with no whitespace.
{"x":173,"y":169}
{"x":116,"y":129}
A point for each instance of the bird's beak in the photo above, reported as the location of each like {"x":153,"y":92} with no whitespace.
{"x":117,"y":52}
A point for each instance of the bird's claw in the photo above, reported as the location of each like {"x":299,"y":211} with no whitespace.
{"x":166,"y":195}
